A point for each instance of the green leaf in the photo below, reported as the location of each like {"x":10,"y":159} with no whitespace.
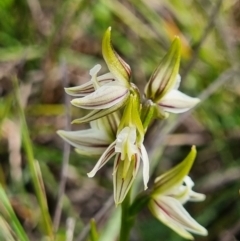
{"x":93,"y":231}
{"x":7,"y":212}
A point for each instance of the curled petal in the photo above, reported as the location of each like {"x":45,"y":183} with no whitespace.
{"x":87,"y":141}
{"x":106,"y":156}
{"x":196,"y":197}
{"x":144,"y":156}
{"x":115,"y":63}
{"x":88,"y":88}
{"x":123,"y":182}
{"x":170,"y":211}
{"x":177,"y":102}
{"x":104,"y":97}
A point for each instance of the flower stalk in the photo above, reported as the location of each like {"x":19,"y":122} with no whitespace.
{"x":127,"y":220}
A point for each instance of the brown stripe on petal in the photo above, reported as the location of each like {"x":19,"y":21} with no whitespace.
{"x":164,"y":210}
{"x":120,"y":193}
{"x":99,"y":104}
{"x":167,"y":106}
{"x":125,"y":65}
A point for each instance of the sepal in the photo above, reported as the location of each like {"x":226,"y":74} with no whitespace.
{"x":164,"y":77}
{"x":115,"y":63}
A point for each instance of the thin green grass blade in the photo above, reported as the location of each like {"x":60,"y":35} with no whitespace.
{"x":8,"y":213}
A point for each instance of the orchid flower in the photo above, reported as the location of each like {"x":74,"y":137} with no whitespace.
{"x":106,"y":93}
{"x":162,"y":88}
{"x":95,"y":140}
{"x":128,"y":150}
{"x":171,"y":191}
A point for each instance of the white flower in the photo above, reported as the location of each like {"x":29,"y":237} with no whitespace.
{"x":106,"y":93}
{"x":162,"y":87}
{"x":171,"y":191}
{"x":127,"y":161}
{"x":175,"y":101}
{"x":93,"y":141}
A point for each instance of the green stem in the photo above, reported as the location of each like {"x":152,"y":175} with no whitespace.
{"x":127,"y":221}
{"x":27,"y":145}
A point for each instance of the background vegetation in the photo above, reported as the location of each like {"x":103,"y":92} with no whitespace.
{"x":46,"y":45}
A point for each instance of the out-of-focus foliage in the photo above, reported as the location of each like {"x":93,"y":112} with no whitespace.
{"x":47,"y":43}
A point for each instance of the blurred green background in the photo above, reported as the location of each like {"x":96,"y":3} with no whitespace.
{"x":50,"y":44}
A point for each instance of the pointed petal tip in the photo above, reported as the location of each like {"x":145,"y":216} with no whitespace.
{"x":74,"y":122}
{"x":193,"y":151}
{"x":177,"y":41}
{"x":60,"y":133}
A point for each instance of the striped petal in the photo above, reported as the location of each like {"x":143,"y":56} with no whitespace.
{"x":96,"y":114}
{"x":177,"y":102}
{"x":171,"y":212}
{"x":122,"y":182}
{"x":164,"y":77}
{"x":88,"y":88}
{"x":105,"y":97}
{"x":106,"y":156}
{"x":88,"y":142}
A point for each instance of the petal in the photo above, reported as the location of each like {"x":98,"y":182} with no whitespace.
{"x":87,"y":141}
{"x":177,"y":82}
{"x":88,"y":88}
{"x":105,"y":97}
{"x":196,"y":197}
{"x":90,"y":151}
{"x":175,"y":176}
{"x":144,"y":156}
{"x":96,"y":114}
{"x":121,"y":183}
{"x":106,"y":156}
{"x":177,"y":102}
{"x":108,"y":124}
{"x":170,"y":211}
{"x":131,"y":116}
{"x":115,"y":63}
{"x":125,"y":142}
{"x":164,"y":78}
{"x":184,"y":193}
